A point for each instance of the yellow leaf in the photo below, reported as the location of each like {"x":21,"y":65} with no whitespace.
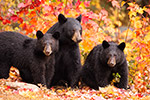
{"x":132,"y":13}
{"x":144,"y":8}
{"x":137,"y":24}
{"x":140,"y":11}
{"x":147,"y":37}
{"x":130,"y":4}
{"x":122,"y":3}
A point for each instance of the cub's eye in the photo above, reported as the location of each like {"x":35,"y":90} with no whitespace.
{"x":73,"y":31}
{"x":115,"y":55}
{"x":80,"y":31}
{"x":110,"y":55}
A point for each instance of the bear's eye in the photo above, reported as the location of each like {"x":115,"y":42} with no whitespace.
{"x":115,"y":55}
{"x":80,"y":31}
{"x":73,"y":31}
{"x":110,"y":55}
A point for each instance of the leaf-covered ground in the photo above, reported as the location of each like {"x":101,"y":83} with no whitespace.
{"x":27,"y":16}
{"x":19,"y":93}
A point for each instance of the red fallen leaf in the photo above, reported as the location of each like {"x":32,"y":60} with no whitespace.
{"x":37,"y":2}
{"x":24,"y":26}
{"x":31,"y":90}
{"x":8,"y":87}
{"x":118,"y":98}
{"x":139,"y":95}
{"x":6,"y":21}
{"x":138,"y":58}
{"x":21,"y":20}
{"x":26,"y":12}
{"x":138,"y":32}
{"x":1,"y":18}
{"x":14,"y":18}
{"x":31,"y":6}
{"x":24,"y":89}
{"x":30,"y":30}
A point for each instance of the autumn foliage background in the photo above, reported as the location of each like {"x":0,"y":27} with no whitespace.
{"x":115,"y":20}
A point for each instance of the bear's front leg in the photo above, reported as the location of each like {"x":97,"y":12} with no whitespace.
{"x":49,"y":72}
{"x":102,"y":77}
{"x":38,"y":74}
{"x":124,"y":77}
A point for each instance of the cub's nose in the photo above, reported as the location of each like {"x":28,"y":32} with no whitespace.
{"x":79,"y":40}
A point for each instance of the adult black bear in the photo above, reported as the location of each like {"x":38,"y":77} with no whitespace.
{"x":68,"y":61}
{"x":30,"y":56}
{"x":104,"y":60}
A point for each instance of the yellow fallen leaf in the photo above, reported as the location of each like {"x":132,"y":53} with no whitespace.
{"x":122,"y":3}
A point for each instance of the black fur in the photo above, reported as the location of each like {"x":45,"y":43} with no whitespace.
{"x":97,"y":73}
{"x":68,"y":61}
{"x":27,"y":55}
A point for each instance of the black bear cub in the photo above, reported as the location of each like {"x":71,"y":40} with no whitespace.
{"x":34,"y":58}
{"x":68,"y":61}
{"x":104,"y":60}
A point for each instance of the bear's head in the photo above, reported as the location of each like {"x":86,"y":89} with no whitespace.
{"x":112,"y":53}
{"x":47,"y":43}
{"x":71,"y":30}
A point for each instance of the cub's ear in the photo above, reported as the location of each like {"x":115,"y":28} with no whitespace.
{"x":39,"y":34}
{"x":121,"y":46}
{"x":79,"y":18}
{"x":105,"y":44}
{"x":56,"y":35}
{"x":61,"y":19}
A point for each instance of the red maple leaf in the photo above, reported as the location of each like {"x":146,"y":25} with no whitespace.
{"x":14,"y":18}
{"x":20,"y":19}
{"x":87,"y":3}
{"x":78,"y":3}
{"x":6,"y":21}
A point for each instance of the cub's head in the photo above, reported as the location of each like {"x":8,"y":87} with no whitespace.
{"x":71,"y":28}
{"x":47,"y":43}
{"x":112,"y":53}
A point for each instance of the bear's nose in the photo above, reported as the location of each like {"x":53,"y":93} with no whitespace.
{"x":47,"y":53}
{"x":111,"y":64}
{"x":79,"y":40}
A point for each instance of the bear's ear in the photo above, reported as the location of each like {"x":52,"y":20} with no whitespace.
{"x":61,"y":18}
{"x":121,"y":46}
{"x":105,"y":44}
{"x":39,"y":34}
{"x":56,"y":35}
{"x":79,"y":18}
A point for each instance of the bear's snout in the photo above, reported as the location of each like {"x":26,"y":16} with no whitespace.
{"x":77,"y":37}
{"x":47,"y":50}
{"x":111,"y":61}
